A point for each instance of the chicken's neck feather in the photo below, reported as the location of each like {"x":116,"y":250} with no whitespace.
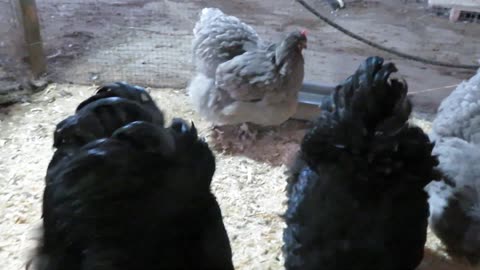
{"x":287,"y":52}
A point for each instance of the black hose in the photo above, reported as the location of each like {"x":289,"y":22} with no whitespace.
{"x":380,"y":47}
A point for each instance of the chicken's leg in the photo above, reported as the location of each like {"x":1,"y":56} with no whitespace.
{"x":245,"y":134}
{"x":238,"y":137}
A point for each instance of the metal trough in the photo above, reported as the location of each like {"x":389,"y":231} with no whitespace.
{"x":311,"y":97}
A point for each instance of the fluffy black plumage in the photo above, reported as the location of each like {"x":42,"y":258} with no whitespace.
{"x":356,"y":198}
{"x":124,"y":192}
{"x":112,"y":106}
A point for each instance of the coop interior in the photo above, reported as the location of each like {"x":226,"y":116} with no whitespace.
{"x":55,"y":54}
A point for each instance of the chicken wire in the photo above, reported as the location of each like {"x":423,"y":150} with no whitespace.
{"x":148,"y":42}
{"x":140,"y":41}
{"x":12,"y":49}
{"x":96,"y":41}
{"x":144,"y":41}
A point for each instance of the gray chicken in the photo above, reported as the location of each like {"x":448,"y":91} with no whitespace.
{"x":455,"y":202}
{"x":219,"y":38}
{"x":241,"y":79}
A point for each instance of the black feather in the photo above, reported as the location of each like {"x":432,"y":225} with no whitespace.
{"x":124,"y":192}
{"x":356,"y":198}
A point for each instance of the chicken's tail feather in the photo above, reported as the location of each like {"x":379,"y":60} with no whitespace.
{"x":369,"y":129}
{"x":126,"y":91}
{"x":207,"y":16}
{"x":375,"y":99}
{"x":116,"y":89}
{"x":199,"y":91}
{"x":111,"y":107}
{"x":208,"y":13}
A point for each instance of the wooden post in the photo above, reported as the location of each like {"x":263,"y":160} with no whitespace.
{"x":33,"y":38}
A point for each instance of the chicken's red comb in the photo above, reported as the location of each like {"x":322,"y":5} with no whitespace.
{"x":304,"y":32}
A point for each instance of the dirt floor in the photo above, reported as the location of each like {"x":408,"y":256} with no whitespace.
{"x":249,"y":186}
{"x":148,"y":42}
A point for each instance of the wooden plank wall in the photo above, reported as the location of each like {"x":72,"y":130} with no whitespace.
{"x":457,"y":7}
{"x":451,"y":3}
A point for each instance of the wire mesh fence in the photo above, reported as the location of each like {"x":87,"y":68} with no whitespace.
{"x":12,"y":49}
{"x":136,"y":41}
{"x":149,"y":42}
{"x":144,"y":42}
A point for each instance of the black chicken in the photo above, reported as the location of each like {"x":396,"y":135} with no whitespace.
{"x":356,"y":193}
{"x":125,"y":192}
{"x":112,"y":106}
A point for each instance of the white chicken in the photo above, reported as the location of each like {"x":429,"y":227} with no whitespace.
{"x":459,"y":114}
{"x":455,"y":202}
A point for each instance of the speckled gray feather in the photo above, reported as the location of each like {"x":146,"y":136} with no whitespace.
{"x":219,"y":38}
{"x":254,"y":81}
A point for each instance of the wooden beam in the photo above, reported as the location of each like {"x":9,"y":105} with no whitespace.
{"x":454,"y":14}
{"x":462,"y":5}
{"x":33,"y":37}
{"x":450,"y":3}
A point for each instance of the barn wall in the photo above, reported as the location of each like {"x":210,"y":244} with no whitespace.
{"x":449,"y":3}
